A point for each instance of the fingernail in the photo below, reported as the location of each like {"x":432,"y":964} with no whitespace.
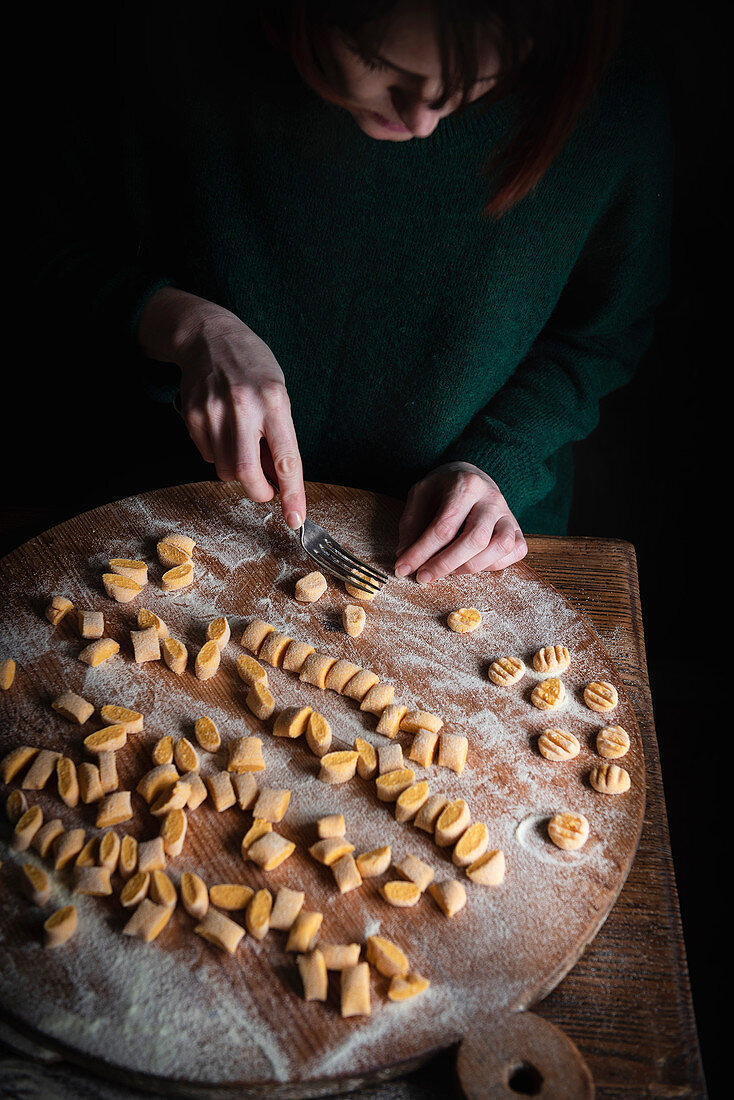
{"x":402,"y":570}
{"x":294,"y":520}
{"x":424,"y":576}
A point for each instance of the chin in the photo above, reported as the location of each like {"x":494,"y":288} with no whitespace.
{"x":371,"y":126}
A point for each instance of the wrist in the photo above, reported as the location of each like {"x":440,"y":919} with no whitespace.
{"x":174,"y":320}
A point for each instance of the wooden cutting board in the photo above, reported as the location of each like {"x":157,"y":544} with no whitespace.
{"x":180,"y":1017}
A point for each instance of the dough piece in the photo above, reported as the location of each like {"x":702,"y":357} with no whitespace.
{"x":128,"y":567}
{"x":304,"y":931}
{"x":7,"y":673}
{"x":393,"y":783}
{"x":88,"y":855}
{"x":147,"y":618}
{"x":270,"y":851}
{"x":367,"y":763}
{"x":612,"y":742}
{"x":390,"y":757}
{"x":386,"y":957}
{"x":60,"y":926}
{"x":180,"y":577}
{"x":134,"y":890}
{"x":26,"y":828}
{"x":195,"y":789}
{"x":449,"y":896}
{"x":315,"y":669}
{"x":207,"y":734}
{"x":338,"y":767}
{"x":172,"y":556}
{"x":245,"y":788}
{"x":331,"y":825}
{"x":16,"y":805}
{"x":162,"y":890}
{"x":423,"y":748}
{"x":471,"y":845}
{"x":558,"y":744}
{"x":14,"y":761}
{"x":230,"y":895}
{"x":360,"y":684}
{"x":128,"y":861}
{"x":339,"y":675}
{"x":318,"y":734}
{"x":452,"y":822}
{"x":568,"y":831}
{"x":346,"y":874}
{"x":119,"y":588}
{"x":600,"y":696}
{"x":185,"y":756}
{"x":254,"y":634}
{"x":151,"y":855}
{"x":207,"y":661}
{"x":72,"y":706}
{"x":107,"y":764}
{"x":271,"y":804}
{"x":114,"y":809}
{"x":148,"y":921}
{"x":221,"y":791}
{"x":245,"y":755}
{"x":96,"y":653}
{"x":132,"y":720}
{"x":415,"y":870}
{"x":452,"y":750}
{"x":146,"y":645}
{"x":355,"y":988}
{"x":260,"y":701}
{"x":354,"y":619}
{"x":609,"y":779}
{"x":274,"y":647}
{"x":416,"y":720}
{"x":401,"y":894}
{"x":330,"y":848}
{"x":506,"y":671}
{"x":311,"y":587}
{"x":57,"y":609}
{"x":338,"y":956}
{"x":489,"y":869}
{"x":67,"y":847}
{"x":464,"y":620}
{"x":257,"y":915}
{"x":375,"y":862}
{"x":391,"y":718}
{"x":194,"y":895}
{"x":183,"y":542}
{"x":107,"y":739}
{"x":157,"y":781}
{"x":90,"y":783}
{"x":548,"y":694}
{"x":292,"y":722}
{"x":221,"y":931}
{"x":90,"y":624}
{"x":430,"y":812}
{"x":552,"y":658}
{"x":173,"y":832}
{"x":288,"y":904}
{"x":409,"y":801}
{"x":219,"y":632}
{"x":377,"y":698}
{"x":403,"y":988}
{"x":251,"y":671}
{"x":360,"y":593}
{"x":163,"y":751}
{"x":257,"y":829}
{"x":295,"y":655}
{"x":108,"y":853}
{"x":314,"y":976}
{"x":94,"y":881}
{"x":175,"y":654}
{"x":41,"y":770}
{"x":46,"y":836}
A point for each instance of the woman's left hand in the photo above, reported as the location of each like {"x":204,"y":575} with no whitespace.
{"x":456,"y":520}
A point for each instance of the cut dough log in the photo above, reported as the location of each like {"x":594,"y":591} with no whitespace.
{"x":390,"y":719}
{"x":292,"y":722}
{"x":128,"y":567}
{"x":354,"y":619}
{"x":314,"y":976}
{"x":148,"y":920}
{"x":175,"y":654}
{"x":449,"y":896}
{"x":73,"y":707}
{"x":90,"y":624}
{"x":288,"y":904}
{"x":96,"y":653}
{"x":311,"y":587}
{"x":221,"y":931}
{"x":207,"y":661}
{"x":58,"y":607}
{"x":219,"y":632}
{"x":146,"y":645}
{"x":207,"y":734}
{"x":318,"y":734}
{"x":132,"y":720}
{"x":60,"y":926}
{"x":355,"y":990}
{"x":194,"y":895}
{"x":41,"y":770}
{"x":119,"y":588}
{"x":14,"y":761}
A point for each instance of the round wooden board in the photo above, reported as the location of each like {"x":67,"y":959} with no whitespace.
{"x":182,"y":1017}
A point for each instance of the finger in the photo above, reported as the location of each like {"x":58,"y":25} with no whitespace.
{"x":237,"y":452}
{"x":472,"y":540}
{"x":420,"y":507}
{"x":196,"y":425}
{"x":507,"y":547}
{"x":441,"y":530}
{"x":281,"y":439}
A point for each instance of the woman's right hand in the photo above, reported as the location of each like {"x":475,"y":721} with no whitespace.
{"x":233,"y":395}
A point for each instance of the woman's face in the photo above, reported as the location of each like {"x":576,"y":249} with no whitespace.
{"x":390,"y":93}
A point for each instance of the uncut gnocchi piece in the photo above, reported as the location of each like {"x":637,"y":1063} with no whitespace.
{"x":60,"y":926}
{"x":286,"y":907}
{"x":338,"y":767}
{"x":377,"y":698}
{"x":506,"y":671}
{"x":453,"y":820}
{"x":452,"y":751}
{"x":26,"y":828}
{"x":568,"y":831}
{"x":600,"y":696}
{"x":292,"y":722}
{"x":245,"y":788}
{"x":390,"y":758}
{"x":41,"y":770}
{"x":254,"y":635}
{"x":14,"y":761}
{"x":610,"y":779}
{"x":337,"y":956}
{"x":449,"y":896}
{"x":339,"y":675}
{"x":119,"y":588}
{"x":219,"y":632}
{"x":7,"y":673}
{"x":148,"y":618}
{"x":58,"y":607}
{"x":464,"y":620}
{"x":401,"y":893}
{"x":221,"y":931}
{"x":196,"y":788}
{"x":271,"y":804}
{"x":552,"y":658}
{"x":390,"y":719}
{"x":332,"y":825}
{"x":72,"y":706}
{"x":251,"y":671}
{"x":245,"y":755}
{"x":273,"y":648}
{"x":416,"y":720}
{"x":146,"y":645}
{"x":346,"y":874}
{"x":90,"y":624}
{"x":182,"y":576}
{"x":207,"y":661}
{"x":194,"y":895}
{"x":558,"y":744}
{"x":430,"y":812}
{"x":355,"y":990}
{"x":331,"y":848}
{"x":311,"y":587}
{"x":295,"y":655}
{"x":354,"y":619}
{"x":548,"y":694}
{"x":489,"y":869}
{"x":260,"y":701}
{"x":423,"y":747}
{"x":107,"y":765}
{"x":612,"y":742}
{"x":318,"y":734}
{"x":360,"y":684}
{"x":221,"y":791}
{"x":315,"y":669}
{"x":368,"y":593}
{"x":314,"y":976}
{"x":175,"y":655}
{"x":270,"y":850}
{"x":114,"y":809}
{"x":94,"y":881}
{"x":375,"y":862}
{"x":172,"y":798}
{"x":207,"y":734}
{"x":151,"y":855}
{"x":35,"y":883}
{"x":96,"y":653}
{"x":148,"y":921}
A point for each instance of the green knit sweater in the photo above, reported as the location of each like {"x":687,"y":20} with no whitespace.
{"x":411,"y":329}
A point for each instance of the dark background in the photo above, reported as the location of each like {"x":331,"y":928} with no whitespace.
{"x":644,"y":475}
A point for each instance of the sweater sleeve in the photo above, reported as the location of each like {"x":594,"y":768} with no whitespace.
{"x":597,"y":333}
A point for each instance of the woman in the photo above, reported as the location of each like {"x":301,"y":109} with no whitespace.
{"x":406,"y":245}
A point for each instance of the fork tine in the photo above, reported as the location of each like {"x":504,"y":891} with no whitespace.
{"x":371,"y":570}
{"x":366,"y":584}
{"x":340,"y":573}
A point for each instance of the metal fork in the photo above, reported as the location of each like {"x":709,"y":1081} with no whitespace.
{"x":336,"y":560}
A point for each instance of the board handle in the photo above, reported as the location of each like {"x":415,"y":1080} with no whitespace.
{"x":518,"y":1054}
